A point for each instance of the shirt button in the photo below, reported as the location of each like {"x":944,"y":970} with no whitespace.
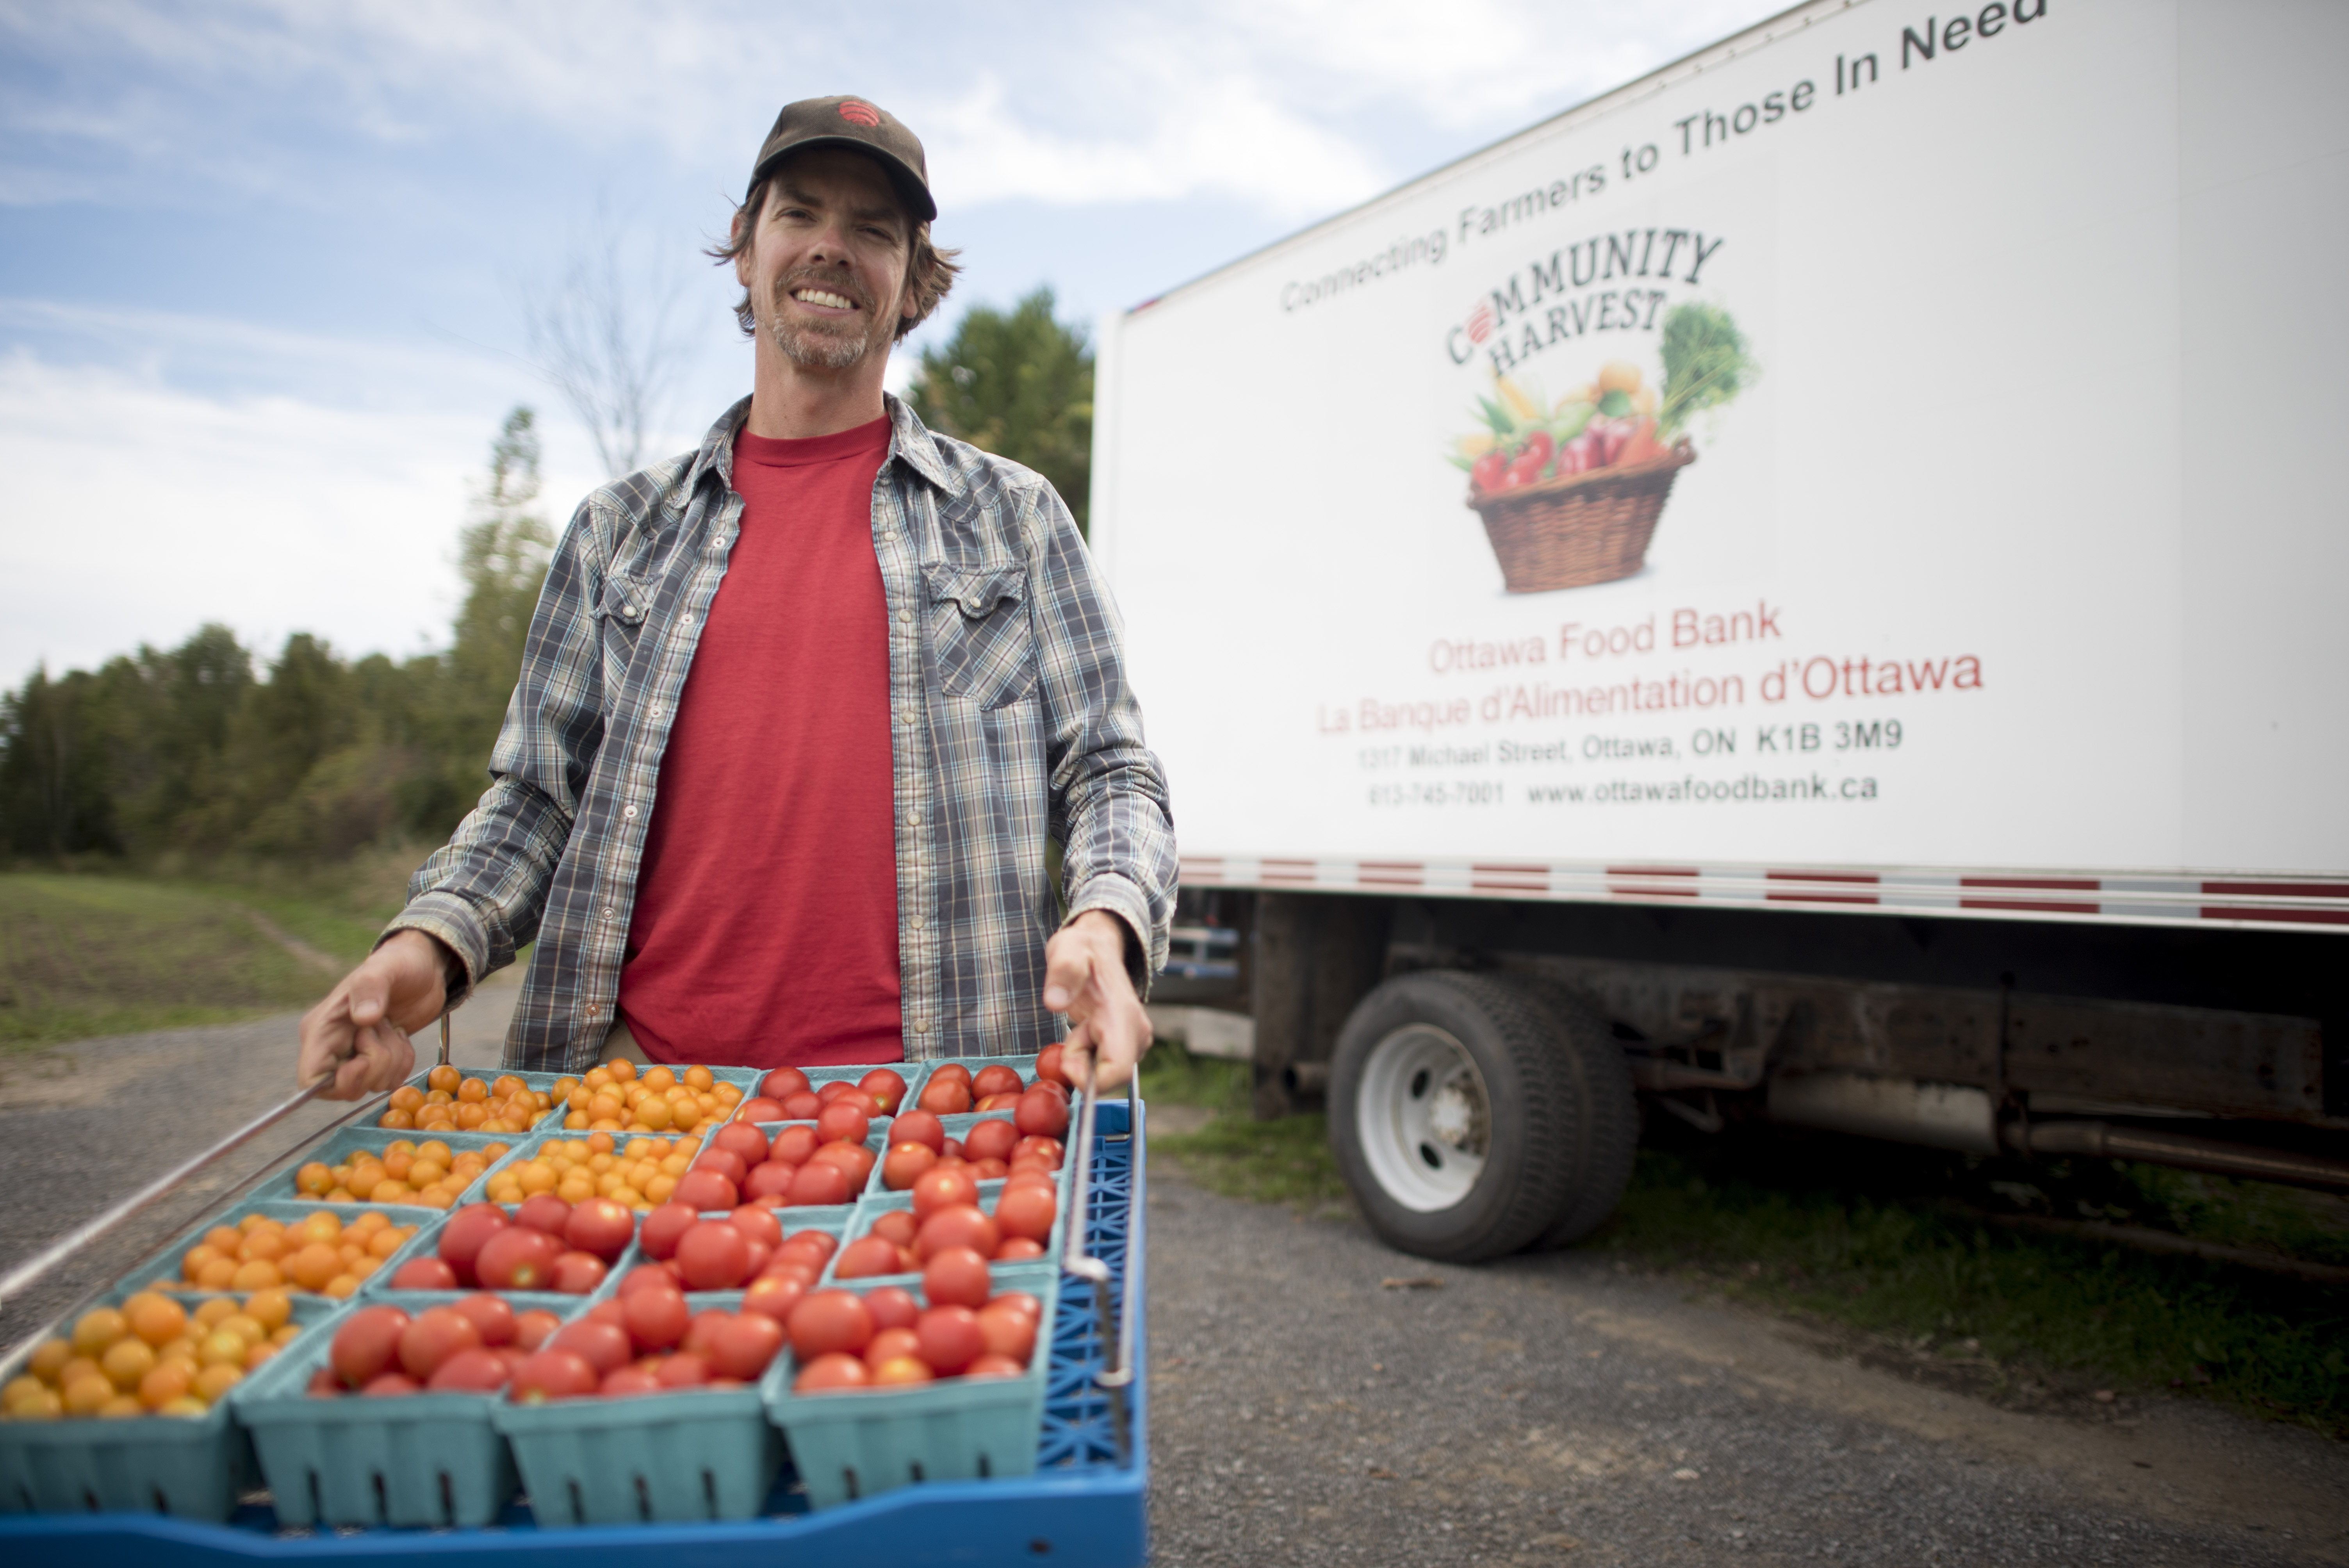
{"x":904,"y":716}
{"x":594,"y":1011}
{"x":921,"y":1026}
{"x":630,"y":812}
{"x":905,"y":617}
{"x":914,"y":816}
{"x":921,"y":922}
{"x":609,"y":912}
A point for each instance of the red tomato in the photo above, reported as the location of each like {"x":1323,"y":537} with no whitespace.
{"x":896,"y":1225}
{"x":622,"y":1382}
{"x":1043,"y":1111}
{"x":600,"y":1226}
{"x":943,"y":1188}
{"x":746,"y":1143}
{"x":714,"y":1256}
{"x":533,"y":1329}
{"x":952,"y":1155}
{"x":954,"y":1070}
{"x":759,"y":1227}
{"x":576,"y":1272}
{"x":1026,"y":1210}
{"x":801,"y":1106}
{"x":946,"y":1095}
{"x":919,"y":1126}
{"x":493,"y":1317}
{"x":1019,"y":1250}
{"x":902,"y":1371}
{"x":770,"y":1179}
{"x":436,"y":1334}
{"x":424,"y":1273}
{"x":956,"y":1276}
{"x":1059,"y":1091}
{"x":819,"y":1245}
{"x":989,"y":1169}
{"x":1008,"y":1330}
{"x":1023,"y":1301}
{"x":366,"y":1343}
{"x":603,"y":1346}
{"x":993,"y":1366}
{"x":1049,"y":1148}
{"x":387,"y":1384}
{"x":794,"y":1145}
{"x":827,"y":1373}
{"x":888,"y":1344}
{"x":664,"y":1225}
{"x":866,"y":1256}
{"x":906,"y":1164}
{"x":476,"y":1371}
{"x":463,"y":1237}
{"x":611,"y":1310}
{"x":324,"y":1384}
{"x":553,"y":1375}
{"x":950,"y":1338}
{"x":758,"y":1107}
{"x":829,"y":1091}
{"x":706,"y":1192}
{"x":519,"y":1257}
{"x":820,"y":1183}
{"x":963,"y":1225}
{"x":860,"y":1101}
{"x":544,"y":1211}
{"x":782,"y":1083}
{"x":858,"y":1159}
{"x":646,"y":1276}
{"x":1007,"y":1100}
{"x":744,"y":1345}
{"x":703,"y":1329}
{"x":830,"y":1320}
{"x":843,"y":1124}
{"x":993,"y":1139}
{"x":892,"y":1307}
{"x":886,"y":1088}
{"x":683,"y":1370}
{"x":725,"y":1162}
{"x":656,"y":1319}
{"x":996,"y":1079}
{"x":1047,"y":1067}
{"x":774,"y":1297}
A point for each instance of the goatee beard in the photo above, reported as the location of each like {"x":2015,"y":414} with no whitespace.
{"x":811,"y":346}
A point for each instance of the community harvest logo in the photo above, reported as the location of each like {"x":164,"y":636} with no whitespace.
{"x":1570,"y":488}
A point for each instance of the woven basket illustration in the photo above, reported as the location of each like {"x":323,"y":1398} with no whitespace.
{"x":1581,"y":529}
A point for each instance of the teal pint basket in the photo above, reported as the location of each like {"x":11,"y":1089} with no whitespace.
{"x":862,"y":1443}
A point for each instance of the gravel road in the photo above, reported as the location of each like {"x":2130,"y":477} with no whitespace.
{"x":1554,"y":1410}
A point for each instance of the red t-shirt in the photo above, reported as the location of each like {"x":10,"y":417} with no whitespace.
{"x":765,"y":932}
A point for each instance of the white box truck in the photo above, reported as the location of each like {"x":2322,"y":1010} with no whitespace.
{"x":1809,"y":587}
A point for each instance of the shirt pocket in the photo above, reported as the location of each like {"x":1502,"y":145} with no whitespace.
{"x":620,"y":613}
{"x":978,"y":627}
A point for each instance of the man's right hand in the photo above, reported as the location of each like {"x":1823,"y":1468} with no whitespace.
{"x":359,"y":1032}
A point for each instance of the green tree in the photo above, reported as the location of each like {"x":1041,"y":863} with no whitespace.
{"x":1018,"y":384}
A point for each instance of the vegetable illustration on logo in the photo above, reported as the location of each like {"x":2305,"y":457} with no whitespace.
{"x":1570,"y":491}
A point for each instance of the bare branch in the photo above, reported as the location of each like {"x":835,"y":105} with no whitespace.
{"x":607,"y":337}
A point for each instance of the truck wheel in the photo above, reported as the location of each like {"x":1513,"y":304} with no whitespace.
{"x":1446,"y":1092}
{"x":1600,"y":1127}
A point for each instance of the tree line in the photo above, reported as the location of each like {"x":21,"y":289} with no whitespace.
{"x":209,"y":749}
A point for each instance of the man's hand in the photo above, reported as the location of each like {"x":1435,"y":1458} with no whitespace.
{"x":1085,"y":978}
{"x":359,"y":1032}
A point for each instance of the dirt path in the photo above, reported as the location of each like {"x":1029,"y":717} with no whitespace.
{"x":1554,"y":1410}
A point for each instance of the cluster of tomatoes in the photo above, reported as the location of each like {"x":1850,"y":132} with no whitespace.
{"x":451,"y":1102}
{"x":646,"y":1340}
{"x":546,"y":1244}
{"x":787,"y":1094}
{"x":824,"y":1164}
{"x":428,"y":1174}
{"x":641,"y":1172}
{"x":947,"y":1228}
{"x":150,"y":1357}
{"x":619,"y":1097}
{"x":885,"y":1338}
{"x":317,"y":1253}
{"x":469,"y":1347}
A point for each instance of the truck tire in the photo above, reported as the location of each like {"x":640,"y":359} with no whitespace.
{"x":1600,"y":1127}
{"x":1446,"y":1094}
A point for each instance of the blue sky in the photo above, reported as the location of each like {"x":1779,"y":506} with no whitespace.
{"x":264,"y":264}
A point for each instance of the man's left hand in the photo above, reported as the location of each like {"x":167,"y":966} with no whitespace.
{"x":1085,"y":978}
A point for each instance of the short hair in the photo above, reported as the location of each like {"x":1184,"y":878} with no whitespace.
{"x":929,"y":270}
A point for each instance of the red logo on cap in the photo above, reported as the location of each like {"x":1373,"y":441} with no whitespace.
{"x":857,"y":113}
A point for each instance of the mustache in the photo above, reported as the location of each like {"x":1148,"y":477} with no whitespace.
{"x":826,"y":279}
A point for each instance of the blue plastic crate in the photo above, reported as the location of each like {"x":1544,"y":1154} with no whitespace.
{"x":1085,"y":1502}
{"x":188,"y":1467}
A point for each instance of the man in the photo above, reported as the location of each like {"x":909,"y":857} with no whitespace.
{"x":798,"y":712}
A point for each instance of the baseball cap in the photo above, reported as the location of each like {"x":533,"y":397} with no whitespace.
{"x":861,"y":125}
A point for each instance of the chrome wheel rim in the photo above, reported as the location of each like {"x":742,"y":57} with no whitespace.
{"x":1424,"y":1118}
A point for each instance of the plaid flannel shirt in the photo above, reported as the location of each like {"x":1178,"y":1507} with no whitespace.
{"x":1010,"y":718}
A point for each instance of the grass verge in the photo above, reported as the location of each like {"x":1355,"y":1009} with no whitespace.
{"x":1898,"y":1246}
{"x":101,"y":953}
